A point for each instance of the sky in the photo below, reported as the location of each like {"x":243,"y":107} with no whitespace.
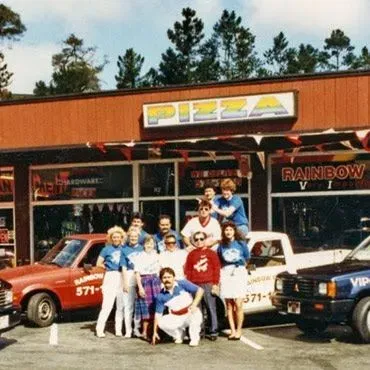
{"x":116,"y":25}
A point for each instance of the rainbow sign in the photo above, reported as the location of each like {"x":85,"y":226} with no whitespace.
{"x":218,"y":110}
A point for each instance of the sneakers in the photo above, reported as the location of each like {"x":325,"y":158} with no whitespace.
{"x":194,"y":343}
{"x":118,"y":334}
{"x":178,"y":341}
{"x":137,"y":334}
{"x":100,"y":335}
{"x":128,"y":335}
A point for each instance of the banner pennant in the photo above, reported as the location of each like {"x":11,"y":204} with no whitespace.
{"x":363,"y":136}
{"x":101,"y":147}
{"x":257,"y":138}
{"x":261,"y":157}
{"x":294,"y":139}
{"x":348,"y":144}
{"x":293,"y":155}
{"x":127,"y":152}
{"x":212,"y":155}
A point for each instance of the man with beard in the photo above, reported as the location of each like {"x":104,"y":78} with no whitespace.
{"x":164,"y":228}
{"x":177,"y":309}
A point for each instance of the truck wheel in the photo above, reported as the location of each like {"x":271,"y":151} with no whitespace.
{"x":311,"y":326}
{"x":41,"y":310}
{"x":361,"y":319}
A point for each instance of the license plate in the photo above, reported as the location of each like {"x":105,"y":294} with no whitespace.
{"x":4,"y":322}
{"x":294,"y":307}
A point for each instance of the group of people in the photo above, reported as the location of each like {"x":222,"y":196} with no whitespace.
{"x":159,"y":282}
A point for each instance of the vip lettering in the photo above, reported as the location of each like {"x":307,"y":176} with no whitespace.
{"x":360,"y":281}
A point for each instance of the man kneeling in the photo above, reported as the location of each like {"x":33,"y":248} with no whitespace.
{"x":177,"y":308}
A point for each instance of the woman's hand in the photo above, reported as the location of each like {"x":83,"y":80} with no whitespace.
{"x":141,"y":292}
{"x":125,"y":287}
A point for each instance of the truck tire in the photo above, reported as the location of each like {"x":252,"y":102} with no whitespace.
{"x":41,"y":310}
{"x":361,"y":319}
{"x":311,"y":326}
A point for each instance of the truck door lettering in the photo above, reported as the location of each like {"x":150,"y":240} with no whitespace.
{"x":360,"y":281}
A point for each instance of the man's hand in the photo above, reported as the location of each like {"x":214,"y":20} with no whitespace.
{"x":215,"y":290}
{"x":155,"y":338}
{"x":192,"y":308}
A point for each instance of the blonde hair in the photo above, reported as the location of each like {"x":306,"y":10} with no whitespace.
{"x":228,"y":184}
{"x":115,"y":230}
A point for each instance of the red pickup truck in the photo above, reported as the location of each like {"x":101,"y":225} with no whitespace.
{"x":65,"y":279}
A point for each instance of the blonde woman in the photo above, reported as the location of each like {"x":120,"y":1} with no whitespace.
{"x":148,"y":284}
{"x":112,"y":287}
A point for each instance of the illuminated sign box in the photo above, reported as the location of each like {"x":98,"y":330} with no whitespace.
{"x":242,"y":108}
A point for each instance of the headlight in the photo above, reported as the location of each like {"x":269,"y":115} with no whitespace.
{"x":329,"y":289}
{"x":323,"y":288}
{"x":8,"y":297}
{"x":279,"y":284}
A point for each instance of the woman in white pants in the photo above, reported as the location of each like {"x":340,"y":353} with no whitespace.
{"x":112,"y":287}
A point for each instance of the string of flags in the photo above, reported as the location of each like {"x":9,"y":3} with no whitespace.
{"x":155,"y":149}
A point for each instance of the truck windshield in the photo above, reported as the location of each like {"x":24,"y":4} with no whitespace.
{"x":64,"y":253}
{"x":362,"y":252}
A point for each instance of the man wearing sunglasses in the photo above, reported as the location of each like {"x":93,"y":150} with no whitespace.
{"x":202,"y":268}
{"x":203,"y":222}
{"x":173,"y":256}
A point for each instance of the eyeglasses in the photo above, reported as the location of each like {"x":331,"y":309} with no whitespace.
{"x":199,"y":239}
{"x":169,"y":243}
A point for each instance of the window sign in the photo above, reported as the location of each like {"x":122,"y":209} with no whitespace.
{"x":6,"y":185}
{"x":99,"y":182}
{"x":329,"y":172}
{"x":195,"y":175}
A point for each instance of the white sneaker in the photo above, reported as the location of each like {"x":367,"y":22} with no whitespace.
{"x":194,"y":343}
{"x":100,"y":335}
{"x":137,"y":334}
{"x":118,"y":334}
{"x":178,"y":341}
{"x":128,"y":335}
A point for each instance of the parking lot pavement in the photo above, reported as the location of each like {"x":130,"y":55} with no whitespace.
{"x":262,"y":347}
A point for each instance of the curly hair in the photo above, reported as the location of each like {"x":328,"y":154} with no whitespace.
{"x":237,"y":235}
{"x":115,"y":230}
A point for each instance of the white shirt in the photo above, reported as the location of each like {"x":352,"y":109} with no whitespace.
{"x":212,"y":228}
{"x":147,"y":263}
{"x":176,"y":260}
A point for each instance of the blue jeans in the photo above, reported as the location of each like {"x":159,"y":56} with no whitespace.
{"x":210,"y":302}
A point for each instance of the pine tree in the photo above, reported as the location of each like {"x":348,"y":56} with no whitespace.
{"x":208,"y":67}
{"x":178,"y":65}
{"x":75,"y":70}
{"x":5,"y":79}
{"x":339,"y":48}
{"x":129,"y":69}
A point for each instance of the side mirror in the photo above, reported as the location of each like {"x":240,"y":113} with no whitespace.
{"x":87,"y":267}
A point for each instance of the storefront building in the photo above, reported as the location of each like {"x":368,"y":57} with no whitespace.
{"x":296,"y":147}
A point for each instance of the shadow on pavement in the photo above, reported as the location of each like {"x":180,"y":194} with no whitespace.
{"x":5,"y":342}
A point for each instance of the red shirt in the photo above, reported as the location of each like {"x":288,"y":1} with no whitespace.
{"x":202,"y":266}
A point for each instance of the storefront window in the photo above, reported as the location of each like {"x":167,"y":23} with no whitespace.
{"x":151,"y":211}
{"x":326,"y":216}
{"x":6,"y":185}
{"x":157,"y":179}
{"x":323,"y":221}
{"x":195,"y":175}
{"x":95,"y":182}
{"x":54,"y":222}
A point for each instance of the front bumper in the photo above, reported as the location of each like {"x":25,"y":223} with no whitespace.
{"x":9,"y":318}
{"x":328,"y":310}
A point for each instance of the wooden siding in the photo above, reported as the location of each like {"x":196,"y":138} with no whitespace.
{"x":337,"y":101}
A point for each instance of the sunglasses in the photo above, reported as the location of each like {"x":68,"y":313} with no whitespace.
{"x":169,"y":243}
{"x":199,"y":239}
{"x":204,"y":209}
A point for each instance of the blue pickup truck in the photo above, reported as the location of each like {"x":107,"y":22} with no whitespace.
{"x":336,"y":293}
